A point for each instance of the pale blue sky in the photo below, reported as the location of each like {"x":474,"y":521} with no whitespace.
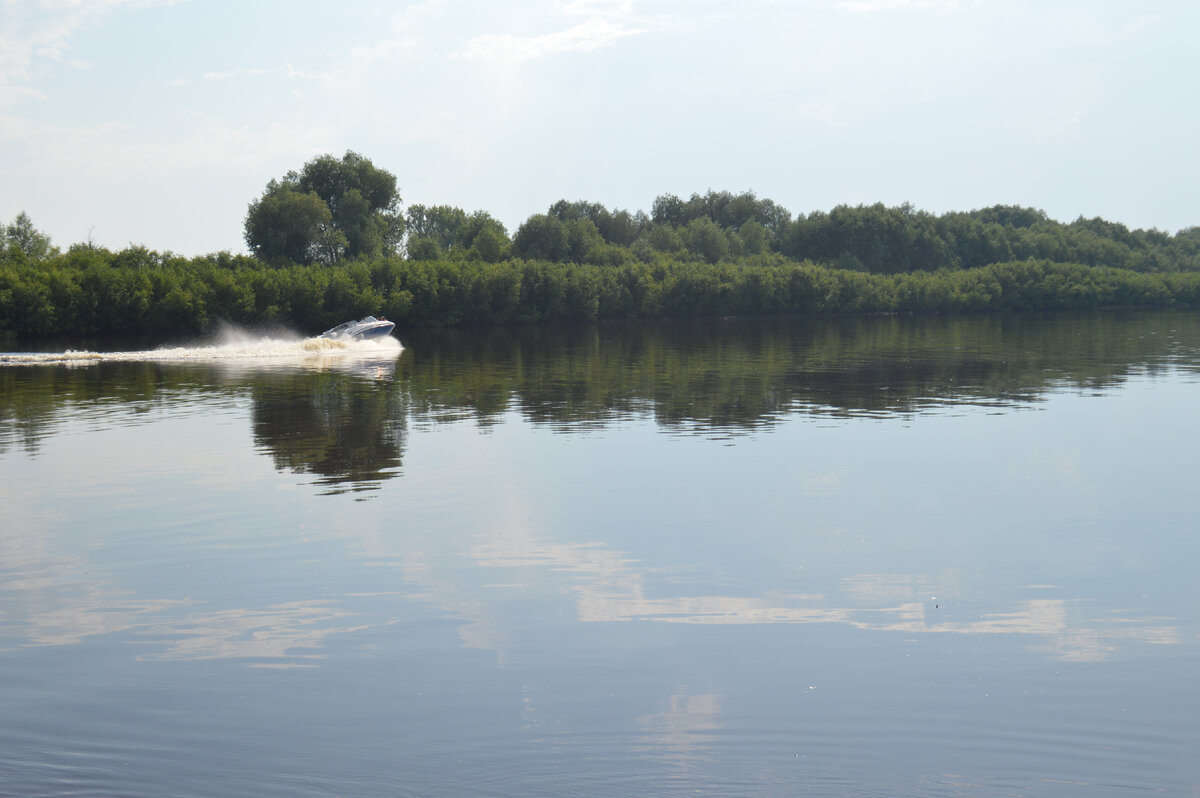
{"x":156,"y":122}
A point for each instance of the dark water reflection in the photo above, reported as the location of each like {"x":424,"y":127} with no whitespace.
{"x":339,"y":418}
{"x":345,"y":421}
{"x":741,"y":374}
{"x":868,"y":557}
{"x":346,"y":431}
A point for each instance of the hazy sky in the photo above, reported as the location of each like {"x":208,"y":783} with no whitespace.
{"x":156,"y":122}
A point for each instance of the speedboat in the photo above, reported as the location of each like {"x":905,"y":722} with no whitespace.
{"x":360,"y":330}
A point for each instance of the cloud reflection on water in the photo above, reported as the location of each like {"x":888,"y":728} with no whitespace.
{"x":684,"y":728}
{"x":56,"y":599}
{"x":610,"y":587}
{"x":282,"y":635}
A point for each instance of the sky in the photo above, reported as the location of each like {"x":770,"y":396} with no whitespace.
{"x":157,"y":122}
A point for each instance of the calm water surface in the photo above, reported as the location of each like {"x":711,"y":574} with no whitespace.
{"x":866,"y":557}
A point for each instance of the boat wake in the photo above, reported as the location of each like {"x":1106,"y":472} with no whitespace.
{"x":233,"y":346}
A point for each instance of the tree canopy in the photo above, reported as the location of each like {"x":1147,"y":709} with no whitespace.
{"x":328,"y":243}
{"x":333,"y":208}
{"x":347,"y":209}
{"x":23,"y":240}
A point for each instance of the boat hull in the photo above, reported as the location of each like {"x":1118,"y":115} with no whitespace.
{"x":380,"y":330}
{"x":366,"y":329}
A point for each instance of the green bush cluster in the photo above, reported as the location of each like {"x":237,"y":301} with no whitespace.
{"x":97,"y":292}
{"x":716,"y":254}
{"x":721,"y":226}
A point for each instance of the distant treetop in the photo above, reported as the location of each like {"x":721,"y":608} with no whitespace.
{"x":331,"y":209}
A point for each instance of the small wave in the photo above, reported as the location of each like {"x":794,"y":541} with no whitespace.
{"x":243,"y":348}
{"x":70,"y":356}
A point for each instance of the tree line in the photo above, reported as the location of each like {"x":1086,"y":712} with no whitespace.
{"x":334,"y":209}
{"x":720,"y":226}
{"x":137,"y":291}
{"x":329,"y":242}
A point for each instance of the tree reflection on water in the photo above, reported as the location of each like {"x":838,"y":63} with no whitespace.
{"x":344,"y":420}
{"x":347,"y":431}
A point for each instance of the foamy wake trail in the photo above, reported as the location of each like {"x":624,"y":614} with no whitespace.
{"x":234,"y":347}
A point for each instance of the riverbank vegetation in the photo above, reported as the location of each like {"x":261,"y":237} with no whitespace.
{"x":330,"y":243}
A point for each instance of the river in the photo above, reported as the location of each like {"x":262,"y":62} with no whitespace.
{"x":844,"y":557}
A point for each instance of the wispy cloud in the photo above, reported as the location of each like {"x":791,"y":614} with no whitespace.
{"x":285,"y":71}
{"x":870,"y":6}
{"x":115,"y":148}
{"x":594,"y":8}
{"x":11,"y":94}
{"x":32,"y":34}
{"x":350,"y":66}
{"x":592,"y":34}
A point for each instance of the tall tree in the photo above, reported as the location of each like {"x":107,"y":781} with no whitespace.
{"x":331,"y":209}
{"x":438,"y":223}
{"x":542,"y":237}
{"x":24,"y":240}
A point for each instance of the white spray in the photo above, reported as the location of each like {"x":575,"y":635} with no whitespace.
{"x":231,"y":343}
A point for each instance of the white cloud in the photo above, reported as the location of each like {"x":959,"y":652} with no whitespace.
{"x":286,"y":71}
{"x":592,"y":8}
{"x":10,"y":94}
{"x":348,"y":72}
{"x":505,"y":48}
{"x":30,"y":34}
{"x":870,"y":6}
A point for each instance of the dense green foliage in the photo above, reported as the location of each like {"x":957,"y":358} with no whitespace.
{"x":331,"y":209}
{"x":97,"y":292}
{"x":23,"y":241}
{"x":437,"y":230}
{"x":330,"y":254}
